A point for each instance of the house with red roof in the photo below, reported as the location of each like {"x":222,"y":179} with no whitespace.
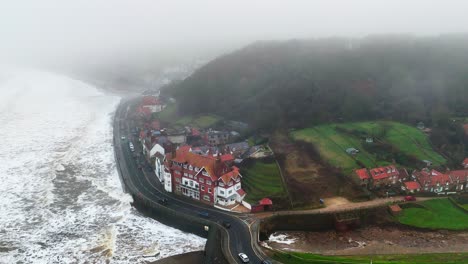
{"x":152,"y":103}
{"x":434,"y":181}
{"x":208,"y":179}
{"x":411,"y":187}
{"x":363,"y":176}
{"x":459,"y":179}
{"x":383,"y":176}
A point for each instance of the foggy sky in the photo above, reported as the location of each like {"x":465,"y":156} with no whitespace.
{"x":61,"y":30}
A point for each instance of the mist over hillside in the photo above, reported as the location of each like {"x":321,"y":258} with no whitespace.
{"x":298,"y":83}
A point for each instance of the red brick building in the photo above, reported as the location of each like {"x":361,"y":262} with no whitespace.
{"x":388,"y":175}
{"x":209,"y":179}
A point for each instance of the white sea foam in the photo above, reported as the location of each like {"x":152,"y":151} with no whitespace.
{"x":61,"y":199}
{"x":281,"y":239}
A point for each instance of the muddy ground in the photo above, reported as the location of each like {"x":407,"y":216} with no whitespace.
{"x":307,"y":177}
{"x":371,"y":240}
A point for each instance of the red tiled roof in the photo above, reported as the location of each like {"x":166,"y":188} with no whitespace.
{"x":362,"y":173}
{"x":384,"y":172}
{"x":460,"y":174}
{"x":227,"y":157}
{"x":241,"y":192}
{"x":432,"y":178}
{"x":395,"y":208}
{"x":150,"y":100}
{"x":226,"y":178}
{"x":265,"y":201}
{"x":412,"y":185}
{"x":211,"y":164}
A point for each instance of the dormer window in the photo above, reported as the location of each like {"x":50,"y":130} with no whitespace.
{"x":190,"y":167}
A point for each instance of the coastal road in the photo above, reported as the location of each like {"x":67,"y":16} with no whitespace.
{"x":139,"y":179}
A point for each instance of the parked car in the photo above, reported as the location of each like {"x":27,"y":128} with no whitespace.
{"x":163,"y":201}
{"x":244,"y":257}
{"x":204,"y":214}
{"x":410,"y":198}
{"x":122,"y":137}
{"x":226,"y":224}
{"x":132,"y":148}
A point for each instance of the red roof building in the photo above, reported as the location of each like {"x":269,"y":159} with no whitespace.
{"x":265,"y":201}
{"x":412,"y":186}
{"x":362,"y":174}
{"x":385,"y":175}
{"x":434,"y":181}
{"x":153,"y":104}
{"x":208,"y":179}
{"x":459,"y":178}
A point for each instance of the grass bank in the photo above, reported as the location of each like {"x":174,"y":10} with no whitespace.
{"x":262,"y":179}
{"x":436,"y":214}
{"x":332,"y":140}
{"x":300,"y":258}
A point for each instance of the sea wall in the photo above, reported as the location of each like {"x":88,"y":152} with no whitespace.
{"x":318,"y":221}
{"x":216,"y":248}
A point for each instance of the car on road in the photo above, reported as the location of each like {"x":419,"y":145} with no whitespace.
{"x":132,"y":148}
{"x":123,"y":137}
{"x":226,"y":224}
{"x":162,"y":201}
{"x":410,"y":198}
{"x":244,"y":257}
{"x":204,"y":214}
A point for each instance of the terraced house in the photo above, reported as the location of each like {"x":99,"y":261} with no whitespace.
{"x":438,"y":182}
{"x":209,"y":179}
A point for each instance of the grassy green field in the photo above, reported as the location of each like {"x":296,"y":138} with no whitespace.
{"x":332,"y":143}
{"x":169,"y":115}
{"x":262,"y":180}
{"x":437,"y":214}
{"x":299,"y":258}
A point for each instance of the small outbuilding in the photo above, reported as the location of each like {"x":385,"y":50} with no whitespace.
{"x":352,"y":151}
{"x":395,"y":209}
{"x":264,"y":204}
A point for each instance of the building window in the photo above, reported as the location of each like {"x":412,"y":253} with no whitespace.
{"x":177,"y":180}
{"x":201,"y":180}
{"x":205,"y":173}
{"x":190,"y":167}
{"x":177,"y":172}
{"x":209,"y":190}
{"x":221,"y":184}
{"x":208,"y":182}
{"x":221,"y":192}
{"x":237,"y":187}
{"x":230,"y":183}
{"x":203,"y":188}
{"x":230,"y":191}
{"x":206,"y":197}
